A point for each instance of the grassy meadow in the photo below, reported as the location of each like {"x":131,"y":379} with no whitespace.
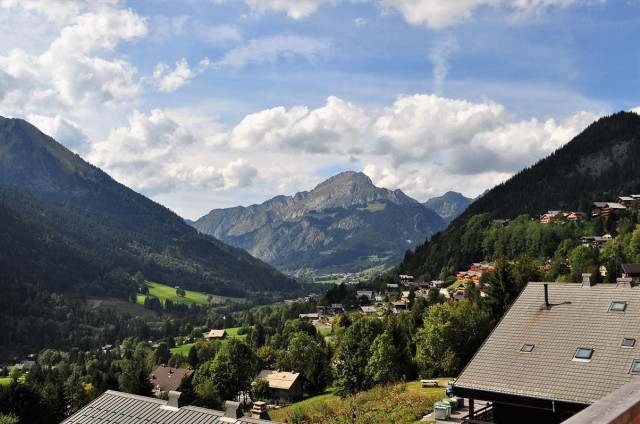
{"x":402,"y":403}
{"x":164,"y":292}
{"x":231,"y":332}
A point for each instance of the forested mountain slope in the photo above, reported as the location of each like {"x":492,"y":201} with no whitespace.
{"x":73,"y":228}
{"x":598,"y":164}
{"x":344,"y":224}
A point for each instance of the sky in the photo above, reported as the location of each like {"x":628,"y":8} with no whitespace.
{"x":211,"y":104}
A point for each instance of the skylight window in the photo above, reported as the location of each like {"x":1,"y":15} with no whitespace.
{"x":635,"y":367}
{"x":618,"y":307}
{"x":583,"y":354}
{"x":628,"y":342}
{"x":527,"y":348}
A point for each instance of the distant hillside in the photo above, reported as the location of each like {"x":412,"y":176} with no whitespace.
{"x":598,"y":164}
{"x":344,"y":224}
{"x":449,"y":205}
{"x":71,"y":227}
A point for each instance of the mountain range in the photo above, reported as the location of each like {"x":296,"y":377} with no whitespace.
{"x":344,"y":224}
{"x":449,"y":205}
{"x":71,"y":227}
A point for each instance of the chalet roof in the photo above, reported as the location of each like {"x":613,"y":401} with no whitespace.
{"x":337,"y":306}
{"x":368,"y":309}
{"x":367,"y":293}
{"x":114,"y":407}
{"x":313,"y":315}
{"x":631,"y":268}
{"x":279,"y":379}
{"x":599,"y":204}
{"x":625,"y":198}
{"x":614,"y":205}
{"x":216,"y":334}
{"x":166,"y":378}
{"x":579,"y":317}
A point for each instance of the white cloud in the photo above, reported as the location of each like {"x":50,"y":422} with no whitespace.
{"x":296,"y":9}
{"x":63,"y":130}
{"x":181,"y":75}
{"x":435,"y":14}
{"x":416,"y":127}
{"x":440,"y":51}
{"x":270,"y":49}
{"x":219,"y":34}
{"x":68,"y":73}
{"x":635,"y":110}
{"x":336,"y":127}
{"x":145,"y":154}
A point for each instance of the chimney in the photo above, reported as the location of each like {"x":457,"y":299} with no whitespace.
{"x":233,"y":410}
{"x":587,"y":281}
{"x":259,"y":411}
{"x":623,"y":283}
{"x":174,"y":399}
{"x":546,"y":305}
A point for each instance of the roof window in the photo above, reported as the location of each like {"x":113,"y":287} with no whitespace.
{"x":527,"y":348}
{"x":635,"y":367}
{"x":628,"y":342}
{"x":618,"y":307}
{"x":583,"y":354}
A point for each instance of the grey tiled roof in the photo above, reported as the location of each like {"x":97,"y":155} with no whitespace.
{"x":122,"y":408}
{"x":578,"y":317}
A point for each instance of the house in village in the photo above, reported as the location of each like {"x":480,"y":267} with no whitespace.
{"x":336,"y":308}
{"x":366,"y":293}
{"x":558,"y":349}
{"x":285,"y":386}
{"x":313,"y":316}
{"x":624,"y":201}
{"x":393,"y":288}
{"x":114,"y":407}
{"x":631,"y":271}
{"x":595,"y":241}
{"x":167,"y":378}
{"x":596,"y":208}
{"x":398,"y":307}
{"x":576,"y":216}
{"x":368,"y":310}
{"x":216,"y":335}
{"x":611,"y":208}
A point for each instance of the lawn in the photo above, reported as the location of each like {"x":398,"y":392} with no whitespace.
{"x":231,"y":332}
{"x":398,"y":403}
{"x":164,"y":292}
{"x":6,"y":380}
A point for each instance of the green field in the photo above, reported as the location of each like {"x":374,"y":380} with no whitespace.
{"x":6,"y":380}
{"x":231,"y":332}
{"x":398,"y":403}
{"x":164,"y":292}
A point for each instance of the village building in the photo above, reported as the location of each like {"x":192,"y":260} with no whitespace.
{"x":367,"y":310}
{"x":631,"y":271}
{"x":611,"y":208}
{"x":559,"y":348}
{"x":114,"y":407}
{"x":336,"y":308}
{"x":309,"y":317}
{"x":285,"y":386}
{"x":366,"y":293}
{"x":216,"y":335}
{"x":167,"y":378}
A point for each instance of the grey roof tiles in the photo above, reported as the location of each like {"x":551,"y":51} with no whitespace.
{"x":579,"y":317}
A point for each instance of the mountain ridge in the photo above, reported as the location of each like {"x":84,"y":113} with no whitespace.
{"x":345,"y":206}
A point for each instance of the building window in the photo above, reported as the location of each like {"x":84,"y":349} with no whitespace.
{"x":526,"y":348}
{"x":635,"y":367}
{"x":618,"y":307}
{"x":583,"y":354}
{"x":628,"y":342}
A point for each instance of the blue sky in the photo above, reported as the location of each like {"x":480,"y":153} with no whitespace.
{"x":207,"y":104}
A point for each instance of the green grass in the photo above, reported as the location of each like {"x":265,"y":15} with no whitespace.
{"x":231,"y":332}
{"x":374,"y":207}
{"x":398,"y":403}
{"x":164,"y":292}
{"x":6,"y":380}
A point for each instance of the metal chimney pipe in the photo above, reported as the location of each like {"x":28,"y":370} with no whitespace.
{"x":546,"y":296}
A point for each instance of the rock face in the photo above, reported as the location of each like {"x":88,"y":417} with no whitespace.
{"x":449,"y":205}
{"x":344,"y":224}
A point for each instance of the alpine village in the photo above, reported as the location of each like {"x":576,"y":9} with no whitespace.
{"x":315,"y":287}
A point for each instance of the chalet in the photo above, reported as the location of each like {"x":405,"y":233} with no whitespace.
{"x":216,"y":335}
{"x":114,"y":407}
{"x":368,"y":310}
{"x":404,"y":296}
{"x":624,"y":201}
{"x":457,"y":297}
{"x":164,"y":378}
{"x":595,"y":241}
{"x":398,"y":307}
{"x":309,"y":317}
{"x":576,"y":216}
{"x":551,"y":216}
{"x":631,"y":271}
{"x":438,"y":284}
{"x":461,"y":288}
{"x":367,"y":293}
{"x":336,"y":308}
{"x":393,"y":288}
{"x":611,"y":208}
{"x":558,"y":349}
{"x":596,"y":208}
{"x":286,"y":386}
